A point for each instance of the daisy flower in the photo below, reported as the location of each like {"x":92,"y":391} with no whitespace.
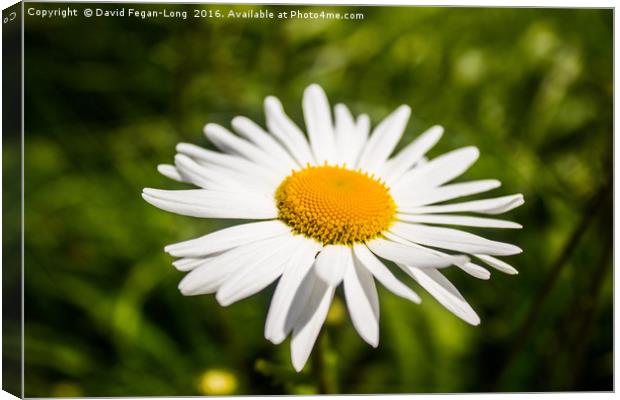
{"x":331,"y":204}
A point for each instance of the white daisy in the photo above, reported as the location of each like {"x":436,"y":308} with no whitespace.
{"x":331,"y":205}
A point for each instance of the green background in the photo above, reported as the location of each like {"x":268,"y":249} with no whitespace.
{"x":107,"y":99}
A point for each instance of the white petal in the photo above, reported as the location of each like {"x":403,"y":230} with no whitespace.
{"x":169,"y":171}
{"x":362,"y":301}
{"x":301,"y":297}
{"x":410,"y":197}
{"x":476,"y":270}
{"x":188,"y":264}
{"x":383,"y":274}
{"x":209,"y":159}
{"x":399,"y":252}
{"x":498,"y":264}
{"x":228,"y":238}
{"x":451,"y":239}
{"x":216,"y":177}
{"x":311,"y":315}
{"x":345,"y":132}
{"x":357,"y":141}
{"x":208,"y":277}
{"x":384,"y":139}
{"x":459,"y":220}
{"x":362,"y":124}
{"x":254,"y":133}
{"x":411,"y":154}
{"x":250,"y":180}
{"x":197,"y":152}
{"x":421,"y":161}
{"x":228,"y":142}
{"x":288,"y":134}
{"x":464,"y":264}
{"x":200,"y":154}
{"x":441,"y":289}
{"x":441,"y":169}
{"x":253,"y":277}
{"x":319,"y":124}
{"x":331,"y":263}
{"x":193,"y":172}
{"x":276,"y":328}
{"x":229,"y":161}
{"x":212,"y":204}
{"x":496,"y":205}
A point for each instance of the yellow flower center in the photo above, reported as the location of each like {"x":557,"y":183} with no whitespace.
{"x":334,"y":205}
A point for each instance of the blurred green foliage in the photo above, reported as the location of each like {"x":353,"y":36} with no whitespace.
{"x":107,"y":99}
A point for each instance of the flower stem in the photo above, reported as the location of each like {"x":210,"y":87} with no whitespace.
{"x":321,"y":367}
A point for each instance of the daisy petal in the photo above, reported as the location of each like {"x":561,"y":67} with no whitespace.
{"x":411,"y":154}
{"x":194,"y":173}
{"x":399,"y":252}
{"x":384,"y":139}
{"x":208,"y":158}
{"x":212,"y":204}
{"x":413,"y":198}
{"x":452,"y":239}
{"x":229,"y":143}
{"x":201,"y":154}
{"x":253,"y":277}
{"x":193,"y":151}
{"x":498,"y":205}
{"x":345,"y":130}
{"x":228,"y":238}
{"x":444,"y":292}
{"x":362,"y":301}
{"x":295,"y":271}
{"x":216,"y":177}
{"x":209,"y":276}
{"x":464,"y":264}
{"x":476,"y":270}
{"x":319,"y":124}
{"x":440,"y":170}
{"x":188,"y":264}
{"x":498,"y":264}
{"x":331,"y":263}
{"x":383,"y":274}
{"x":358,"y":141}
{"x":459,"y":220}
{"x":311,"y":316}
{"x":362,"y":126}
{"x":285,"y":130}
{"x":254,"y":133}
{"x":301,"y":298}
{"x":170,"y":171}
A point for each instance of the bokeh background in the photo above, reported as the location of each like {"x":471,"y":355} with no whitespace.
{"x":107,"y":99}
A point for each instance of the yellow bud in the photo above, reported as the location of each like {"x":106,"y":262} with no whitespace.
{"x":217,"y":382}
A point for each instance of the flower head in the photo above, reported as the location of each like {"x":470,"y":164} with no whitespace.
{"x":331,"y":206}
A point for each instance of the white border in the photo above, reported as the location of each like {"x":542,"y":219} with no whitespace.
{"x":479,"y":3}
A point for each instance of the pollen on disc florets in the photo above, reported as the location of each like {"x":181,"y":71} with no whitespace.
{"x":335,"y":205}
